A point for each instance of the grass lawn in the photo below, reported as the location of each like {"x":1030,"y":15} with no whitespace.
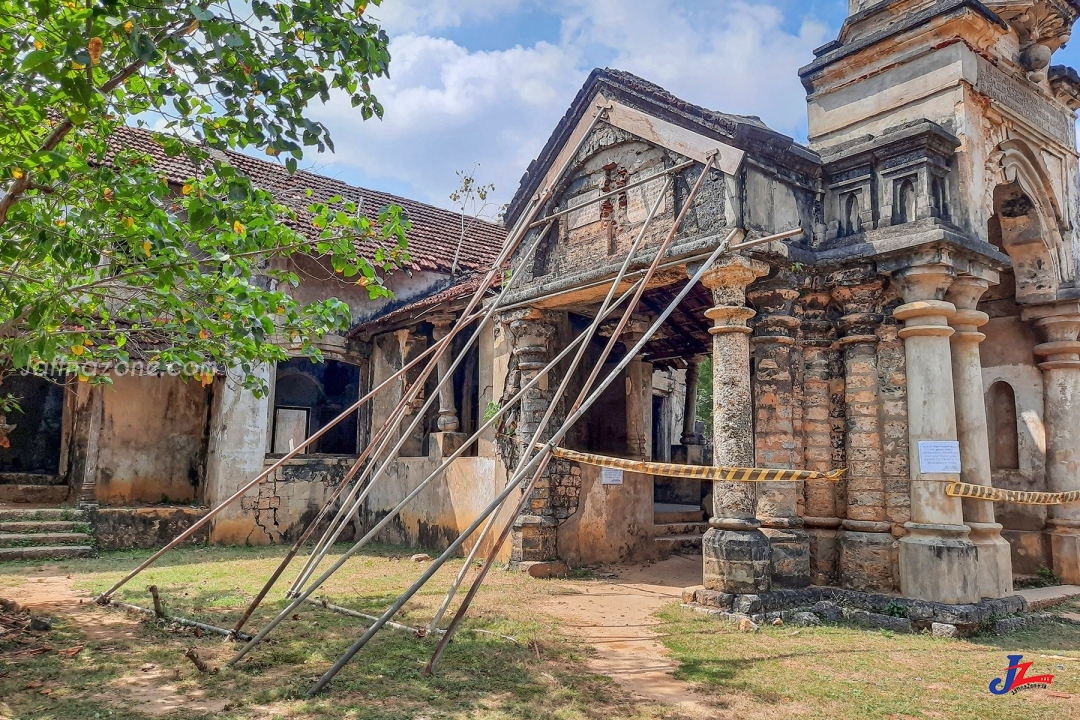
{"x":134,"y":669}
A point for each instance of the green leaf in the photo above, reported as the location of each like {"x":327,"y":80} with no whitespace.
{"x":36,"y":59}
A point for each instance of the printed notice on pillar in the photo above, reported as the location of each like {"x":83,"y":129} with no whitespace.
{"x":611,"y":476}
{"x":939,"y":456}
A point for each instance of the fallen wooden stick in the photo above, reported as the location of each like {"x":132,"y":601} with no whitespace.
{"x":193,"y":655}
{"x":158,"y":610}
{"x":180,"y":621}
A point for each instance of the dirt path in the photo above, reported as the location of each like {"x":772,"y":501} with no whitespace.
{"x":617,"y":619}
{"x":49,"y":592}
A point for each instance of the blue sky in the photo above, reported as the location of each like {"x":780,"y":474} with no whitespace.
{"x":482,"y":83}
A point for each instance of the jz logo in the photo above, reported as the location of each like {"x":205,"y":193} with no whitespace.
{"x":1016,"y":678}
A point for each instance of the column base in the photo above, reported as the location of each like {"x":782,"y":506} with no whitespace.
{"x":824,"y":554}
{"x":995,"y":560}
{"x":1065,"y":550}
{"x":867,"y":556}
{"x":534,"y":539}
{"x":939,"y":564}
{"x":736,"y":561}
{"x":790,"y":549}
{"x":444,"y":444}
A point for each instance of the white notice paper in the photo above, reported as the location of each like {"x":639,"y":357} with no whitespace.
{"x":611,"y":476}
{"x":939,"y":456}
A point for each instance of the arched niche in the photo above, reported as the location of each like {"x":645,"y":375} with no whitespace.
{"x":1026,"y":224}
{"x":1003,"y":427}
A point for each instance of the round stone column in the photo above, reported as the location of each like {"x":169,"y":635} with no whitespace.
{"x":995,"y":555}
{"x":736,"y":553}
{"x":866,"y":545}
{"x":773,"y":343}
{"x":937,"y":560}
{"x":1061,"y":383}
{"x":818,"y":340}
{"x":448,"y":417}
{"x":689,"y":429}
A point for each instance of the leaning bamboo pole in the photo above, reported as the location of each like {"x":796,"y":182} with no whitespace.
{"x":542,"y":458}
{"x":104,"y":597}
{"x":301,"y":597}
{"x":594,"y":326}
{"x":448,"y":636}
{"x":521,"y":228}
{"x":350,"y":508}
{"x":582,"y":396}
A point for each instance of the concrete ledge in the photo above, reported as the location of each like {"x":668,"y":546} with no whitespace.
{"x":145,"y":527}
{"x":1041,"y":598}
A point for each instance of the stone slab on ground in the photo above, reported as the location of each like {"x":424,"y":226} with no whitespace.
{"x":1041,"y":598}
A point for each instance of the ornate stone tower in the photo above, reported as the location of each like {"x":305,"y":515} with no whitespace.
{"x":949,"y":150}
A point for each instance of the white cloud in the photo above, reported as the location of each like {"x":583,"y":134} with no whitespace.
{"x":427,"y":16}
{"x":447,"y":107}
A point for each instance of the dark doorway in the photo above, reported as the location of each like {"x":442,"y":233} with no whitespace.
{"x":34,"y":442}
{"x":661,"y":444}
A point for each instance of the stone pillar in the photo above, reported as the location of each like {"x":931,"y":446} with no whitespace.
{"x":775,"y":329}
{"x":448,"y":418}
{"x":937,"y":560}
{"x":818,"y":340}
{"x":995,"y":556}
{"x":1061,"y":382}
{"x":534,"y":536}
{"x":866,"y":545}
{"x":736,"y":553}
{"x":689,"y":425}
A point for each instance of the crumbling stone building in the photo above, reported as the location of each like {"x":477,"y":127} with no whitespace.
{"x":930,"y":305}
{"x":931,"y":300}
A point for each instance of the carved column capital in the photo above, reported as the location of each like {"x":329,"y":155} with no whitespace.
{"x":964,"y":294}
{"x":775,"y":321}
{"x":730,"y":277}
{"x":1061,"y":349}
{"x":531,"y":330}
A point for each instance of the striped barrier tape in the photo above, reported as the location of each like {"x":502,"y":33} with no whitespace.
{"x":985,"y":492}
{"x":696,"y":472}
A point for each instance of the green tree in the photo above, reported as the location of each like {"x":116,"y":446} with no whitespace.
{"x":705,"y":396}
{"x":106,"y":257}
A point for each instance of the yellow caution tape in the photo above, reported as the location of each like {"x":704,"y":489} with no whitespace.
{"x":985,"y":492}
{"x":696,"y":472}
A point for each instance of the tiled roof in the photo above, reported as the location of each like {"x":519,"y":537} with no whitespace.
{"x":435,"y":232}
{"x":406,"y":315}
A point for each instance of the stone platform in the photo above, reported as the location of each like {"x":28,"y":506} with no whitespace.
{"x":813,"y":605}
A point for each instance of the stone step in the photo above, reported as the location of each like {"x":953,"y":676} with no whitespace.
{"x":40,"y":514}
{"x":43,"y":553}
{"x":699,"y":528}
{"x":20,"y":478}
{"x":41,"y":526}
{"x":36,"y":494}
{"x":664,"y":514}
{"x":667,"y":545}
{"x":43,"y":539}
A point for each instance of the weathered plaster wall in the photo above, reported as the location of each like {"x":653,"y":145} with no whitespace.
{"x":435,"y":518}
{"x":614,"y":523}
{"x":237,"y":448}
{"x":153,"y":440}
